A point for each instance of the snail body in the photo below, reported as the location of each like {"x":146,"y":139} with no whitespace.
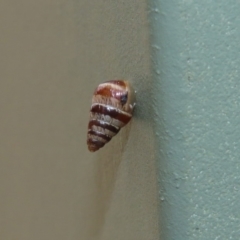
{"x":112,"y":106}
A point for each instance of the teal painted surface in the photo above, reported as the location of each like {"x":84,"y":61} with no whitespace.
{"x":196,"y":101}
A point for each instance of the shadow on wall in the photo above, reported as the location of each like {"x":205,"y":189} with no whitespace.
{"x":110,"y":156}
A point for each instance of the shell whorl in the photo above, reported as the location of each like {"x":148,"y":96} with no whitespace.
{"x":112,"y":106}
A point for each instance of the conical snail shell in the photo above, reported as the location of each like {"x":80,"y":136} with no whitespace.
{"x":112,"y":107}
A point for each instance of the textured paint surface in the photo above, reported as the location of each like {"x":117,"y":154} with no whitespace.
{"x":53,"y":55}
{"x":196,"y":100}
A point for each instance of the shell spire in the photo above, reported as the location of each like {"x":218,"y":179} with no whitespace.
{"x":112,"y":107}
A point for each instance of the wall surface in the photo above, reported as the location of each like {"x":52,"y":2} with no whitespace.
{"x":196,"y":99}
{"x":53,"y":54}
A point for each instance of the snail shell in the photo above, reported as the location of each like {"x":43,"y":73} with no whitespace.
{"x":112,"y":107}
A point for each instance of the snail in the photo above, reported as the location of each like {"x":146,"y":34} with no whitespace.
{"x":112,"y":107}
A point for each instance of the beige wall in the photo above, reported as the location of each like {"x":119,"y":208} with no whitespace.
{"x":53,"y":54}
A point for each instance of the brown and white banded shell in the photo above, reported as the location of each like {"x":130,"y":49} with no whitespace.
{"x":112,"y":107}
